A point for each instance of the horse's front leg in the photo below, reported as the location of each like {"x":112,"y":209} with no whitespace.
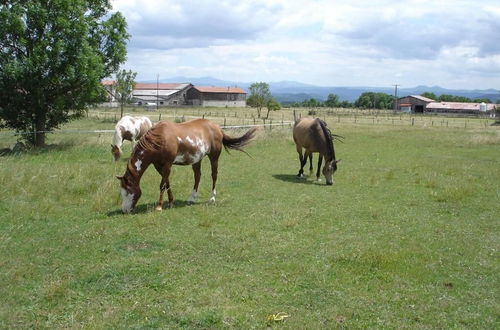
{"x":165,"y":185}
{"x":302,"y":161}
{"x":318,"y":171}
{"x":197,"y":175}
{"x":310,"y":163}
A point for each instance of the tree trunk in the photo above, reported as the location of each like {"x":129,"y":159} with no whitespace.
{"x":40,"y":127}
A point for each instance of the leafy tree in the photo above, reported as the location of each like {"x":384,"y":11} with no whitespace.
{"x":480,"y":100}
{"x":311,"y":103}
{"x":260,"y":95}
{"x":371,"y":100}
{"x":332,"y":101}
{"x":124,"y":86}
{"x":429,"y":95}
{"x":272,"y":105}
{"x":53,"y":56}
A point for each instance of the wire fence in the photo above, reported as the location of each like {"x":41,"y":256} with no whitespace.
{"x":246,"y":118}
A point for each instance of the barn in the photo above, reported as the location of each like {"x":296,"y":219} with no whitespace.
{"x":421,"y":104}
{"x":216,"y":96}
{"x":413,"y":103}
{"x":161,"y":94}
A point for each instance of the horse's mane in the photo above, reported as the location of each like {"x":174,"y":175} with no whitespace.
{"x":329,"y":137}
{"x":148,"y":142}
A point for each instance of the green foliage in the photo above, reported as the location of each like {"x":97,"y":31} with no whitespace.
{"x":53,"y":56}
{"x":371,"y":100}
{"x":454,"y":98}
{"x":430,"y":95}
{"x":332,"y":101}
{"x":272,"y":105}
{"x":124,"y":86}
{"x":260,"y":95}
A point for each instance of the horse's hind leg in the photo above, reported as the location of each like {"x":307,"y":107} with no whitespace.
{"x":214,"y":162}
{"x":310,"y":163}
{"x":318,"y":171}
{"x":197,"y":175}
{"x":165,"y":185}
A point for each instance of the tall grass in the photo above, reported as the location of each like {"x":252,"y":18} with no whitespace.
{"x":407,"y":237}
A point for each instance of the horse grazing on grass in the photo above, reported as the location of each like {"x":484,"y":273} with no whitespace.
{"x":313,"y":135}
{"x":128,"y":128}
{"x":169,"y":143}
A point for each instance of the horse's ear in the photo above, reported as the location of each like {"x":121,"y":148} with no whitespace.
{"x":119,"y":177}
{"x":338,"y":161}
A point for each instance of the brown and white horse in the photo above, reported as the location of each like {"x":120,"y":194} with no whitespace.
{"x":313,"y":135}
{"x":169,"y":143}
{"x":131,"y":129}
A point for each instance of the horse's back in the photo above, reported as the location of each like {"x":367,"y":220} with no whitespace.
{"x":302,"y":131}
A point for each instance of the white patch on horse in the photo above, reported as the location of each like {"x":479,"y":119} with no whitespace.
{"x":193,"y":197}
{"x":138,"y":164}
{"x":212,"y":198}
{"x":127,"y":201}
{"x":179,"y":139}
{"x":202,"y":147}
{"x":190,"y":141}
{"x":179,"y":159}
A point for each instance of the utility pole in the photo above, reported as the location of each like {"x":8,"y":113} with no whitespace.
{"x":157,"y":87}
{"x":396,"y":96}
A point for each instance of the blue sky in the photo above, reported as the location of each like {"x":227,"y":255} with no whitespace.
{"x":450,"y":43}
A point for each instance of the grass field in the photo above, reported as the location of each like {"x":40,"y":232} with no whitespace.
{"x":407,"y":237}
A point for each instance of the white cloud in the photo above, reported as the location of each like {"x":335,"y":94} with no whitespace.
{"x":452,"y":43}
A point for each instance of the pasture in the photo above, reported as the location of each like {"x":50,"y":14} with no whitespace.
{"x":407,"y":237}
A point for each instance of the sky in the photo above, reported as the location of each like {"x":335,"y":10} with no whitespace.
{"x":377,"y":43}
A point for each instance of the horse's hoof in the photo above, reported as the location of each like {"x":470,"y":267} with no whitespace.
{"x":318,"y":179}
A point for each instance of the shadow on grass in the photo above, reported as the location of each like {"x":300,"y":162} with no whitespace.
{"x":150,"y":207}
{"x":292,"y":178}
{"x":21,"y":149}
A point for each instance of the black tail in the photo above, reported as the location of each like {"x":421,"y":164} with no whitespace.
{"x":238,"y":142}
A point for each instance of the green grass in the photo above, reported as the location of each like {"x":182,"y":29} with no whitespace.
{"x":407,"y":237}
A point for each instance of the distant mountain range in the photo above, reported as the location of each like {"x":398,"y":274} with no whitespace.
{"x":292,"y":91}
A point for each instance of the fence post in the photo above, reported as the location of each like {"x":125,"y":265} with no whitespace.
{"x":412,"y":121}
{"x":159,"y":117}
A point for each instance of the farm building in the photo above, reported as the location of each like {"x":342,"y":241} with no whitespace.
{"x":172,"y":94}
{"x":413,"y":103}
{"x":420,"y":104}
{"x":111,"y":99}
{"x":161,"y":94}
{"x":459,"y":107}
{"x":216,"y":96}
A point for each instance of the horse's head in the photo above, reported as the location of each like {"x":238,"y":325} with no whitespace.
{"x":329,"y":169}
{"x":130,"y":191}
{"x":116,"y":152}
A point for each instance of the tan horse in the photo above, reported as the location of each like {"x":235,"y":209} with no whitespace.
{"x":312,"y":135}
{"x":169,"y":143}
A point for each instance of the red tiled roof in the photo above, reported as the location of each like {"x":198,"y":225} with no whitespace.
{"x":108,"y":82}
{"x":458,"y":106}
{"x":212,"y":89}
{"x":158,"y":86}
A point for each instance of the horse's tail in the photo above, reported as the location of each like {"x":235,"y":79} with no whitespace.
{"x":238,"y":143}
